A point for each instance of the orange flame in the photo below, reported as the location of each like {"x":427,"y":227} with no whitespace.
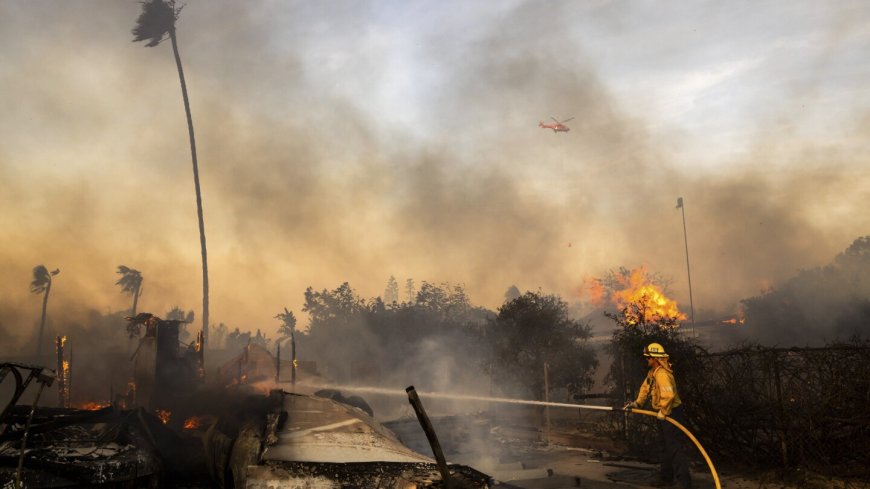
{"x":66,"y":378}
{"x":164,"y":415}
{"x":192,"y":423}
{"x":93,"y":406}
{"x":740,"y":319}
{"x":595,"y":290}
{"x":638,"y":297}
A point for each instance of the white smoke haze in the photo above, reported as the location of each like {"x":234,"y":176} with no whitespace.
{"x":353,"y":142}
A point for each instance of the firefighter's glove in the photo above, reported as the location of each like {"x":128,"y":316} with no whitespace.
{"x":629,"y":405}
{"x":660,"y":416}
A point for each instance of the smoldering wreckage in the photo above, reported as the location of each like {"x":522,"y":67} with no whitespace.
{"x":170,"y":430}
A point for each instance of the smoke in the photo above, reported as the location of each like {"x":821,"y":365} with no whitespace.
{"x":331,"y":151}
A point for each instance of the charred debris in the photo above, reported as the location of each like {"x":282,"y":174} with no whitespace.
{"x":170,"y":430}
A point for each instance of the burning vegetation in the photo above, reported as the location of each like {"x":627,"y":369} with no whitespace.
{"x":638,"y":296}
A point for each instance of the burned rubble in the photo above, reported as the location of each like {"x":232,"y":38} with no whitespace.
{"x":75,"y":448}
{"x":172,"y":429}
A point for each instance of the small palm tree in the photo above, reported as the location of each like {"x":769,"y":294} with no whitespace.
{"x":155,"y":24}
{"x":287,"y":330}
{"x":288,"y":324}
{"x":131,"y":283}
{"x":41,"y":284}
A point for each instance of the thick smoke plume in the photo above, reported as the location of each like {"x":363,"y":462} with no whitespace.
{"x":331,"y":152}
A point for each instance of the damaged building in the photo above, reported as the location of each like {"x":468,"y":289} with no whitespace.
{"x":172,"y":429}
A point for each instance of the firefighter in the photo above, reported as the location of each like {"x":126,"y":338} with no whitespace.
{"x":661,"y":388}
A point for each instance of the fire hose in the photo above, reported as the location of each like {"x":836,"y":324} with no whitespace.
{"x":430,"y":433}
{"x":639,"y":411}
{"x":687,"y":432}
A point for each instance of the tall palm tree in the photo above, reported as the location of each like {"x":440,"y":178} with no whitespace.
{"x":155,"y":24}
{"x":41,"y":284}
{"x":131,"y":283}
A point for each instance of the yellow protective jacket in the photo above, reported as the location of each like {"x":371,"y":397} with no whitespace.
{"x":662,"y":388}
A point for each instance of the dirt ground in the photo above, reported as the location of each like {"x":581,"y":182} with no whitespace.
{"x":541,"y":466}
{"x":574,"y":458}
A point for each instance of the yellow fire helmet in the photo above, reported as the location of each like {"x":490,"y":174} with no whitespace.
{"x":655,"y":350}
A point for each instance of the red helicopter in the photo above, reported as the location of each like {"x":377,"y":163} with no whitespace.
{"x":556,"y":126}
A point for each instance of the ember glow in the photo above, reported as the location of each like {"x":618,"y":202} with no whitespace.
{"x":197,"y":422}
{"x":192,"y":423}
{"x":739,"y":319}
{"x":164,"y":415}
{"x":93,"y":406}
{"x":63,"y":372}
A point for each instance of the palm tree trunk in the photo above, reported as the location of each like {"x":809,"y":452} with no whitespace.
{"x":196,"y":184}
{"x":42,"y":323}
{"x":135,"y":301}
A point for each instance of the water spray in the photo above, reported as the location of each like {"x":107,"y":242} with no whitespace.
{"x":464,"y":397}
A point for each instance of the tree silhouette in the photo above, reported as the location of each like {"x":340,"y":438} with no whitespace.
{"x":155,"y":24}
{"x":178,"y":314}
{"x":288,"y":324}
{"x":512,"y":293}
{"x":41,"y":284}
{"x":131,"y":283}
{"x":391,"y":292}
{"x":815,"y":305}
{"x":220,"y":335}
{"x":535,"y":329}
{"x":410,"y":292}
{"x":357,"y":339}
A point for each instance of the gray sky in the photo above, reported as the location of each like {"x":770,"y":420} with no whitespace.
{"x":351,"y":141}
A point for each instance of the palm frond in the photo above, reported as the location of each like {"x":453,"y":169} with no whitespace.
{"x":130,"y":281}
{"x":41,"y":279}
{"x":155,"y":22}
{"x":288,"y":320}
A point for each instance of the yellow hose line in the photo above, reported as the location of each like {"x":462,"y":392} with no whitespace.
{"x":691,"y":437}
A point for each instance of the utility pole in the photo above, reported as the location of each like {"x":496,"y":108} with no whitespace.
{"x":688,"y":269}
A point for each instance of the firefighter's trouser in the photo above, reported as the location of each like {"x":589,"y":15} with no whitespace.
{"x":675,"y":462}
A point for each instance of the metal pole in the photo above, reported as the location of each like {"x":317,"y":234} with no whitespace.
{"x":489,"y":406}
{"x":625,"y":392}
{"x":69,"y":377}
{"x":61,"y":374}
{"x":414,"y":399}
{"x":293,"y":354}
{"x":547,"y":399}
{"x":682,"y":207}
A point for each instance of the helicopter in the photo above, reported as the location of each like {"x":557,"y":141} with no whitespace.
{"x":556,"y":126}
